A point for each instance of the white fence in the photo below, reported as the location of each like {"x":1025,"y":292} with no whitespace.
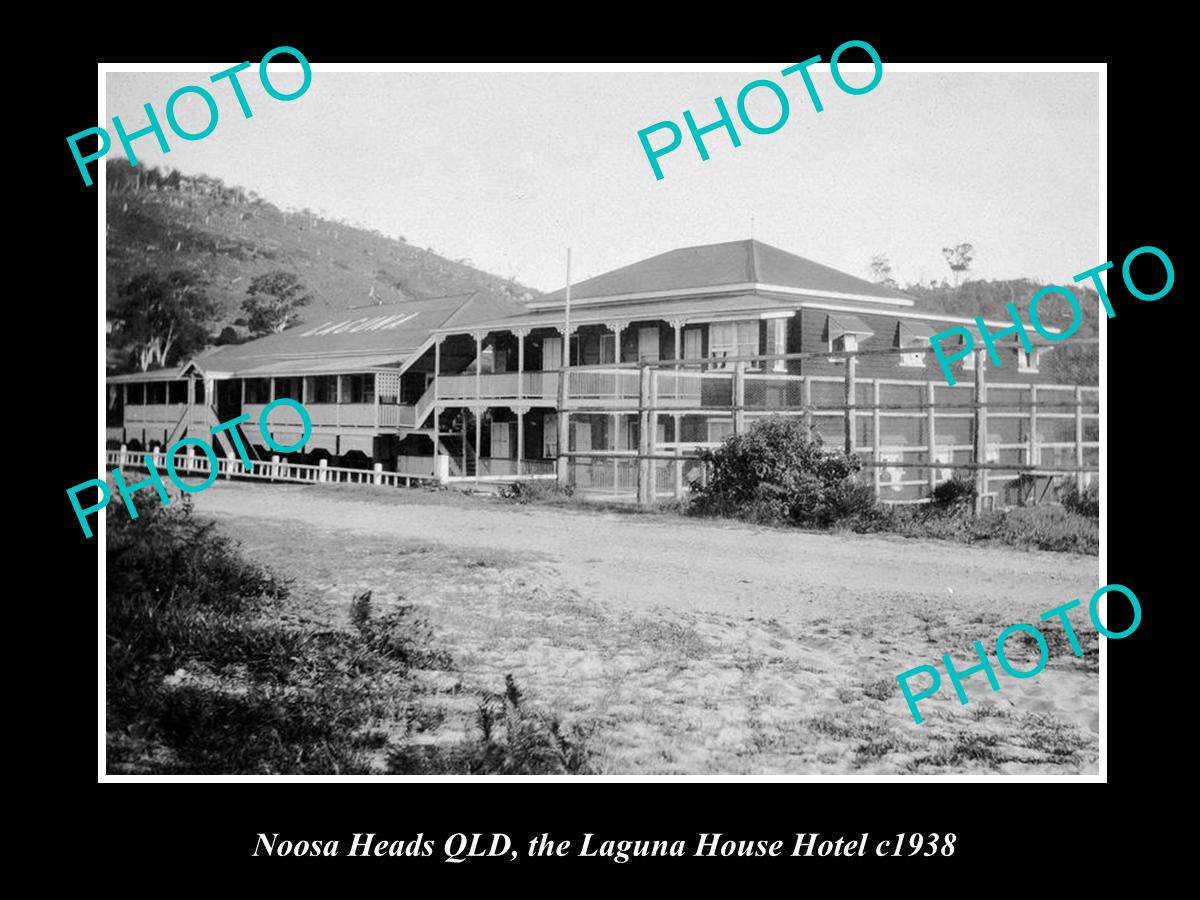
{"x":274,"y":469}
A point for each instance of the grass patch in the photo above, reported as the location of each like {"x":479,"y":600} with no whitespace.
{"x":202,"y":680}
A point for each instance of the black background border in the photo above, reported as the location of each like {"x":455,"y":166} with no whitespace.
{"x":160,"y":825}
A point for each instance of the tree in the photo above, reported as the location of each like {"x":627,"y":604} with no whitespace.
{"x":157,"y":315}
{"x":959,"y":259}
{"x":273,"y":300}
{"x":881,"y":270}
{"x":228,"y":335}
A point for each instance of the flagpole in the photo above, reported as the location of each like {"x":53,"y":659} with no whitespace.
{"x":567,"y":317}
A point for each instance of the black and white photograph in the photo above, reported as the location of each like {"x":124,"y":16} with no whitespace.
{"x":605,"y":421}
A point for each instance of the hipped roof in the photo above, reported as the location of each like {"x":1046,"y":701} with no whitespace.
{"x":716,"y":265}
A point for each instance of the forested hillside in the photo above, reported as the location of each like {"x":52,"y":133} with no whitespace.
{"x":161,"y":222}
{"x":1068,"y":365}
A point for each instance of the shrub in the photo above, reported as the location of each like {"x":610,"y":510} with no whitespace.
{"x":401,"y":636}
{"x":1038,"y":527}
{"x":542,"y":490}
{"x":779,"y":471}
{"x":1083,"y":503}
{"x":514,"y":739}
{"x":957,"y":493}
{"x":1049,"y":528}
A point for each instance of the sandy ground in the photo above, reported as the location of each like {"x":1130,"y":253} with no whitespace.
{"x":687,"y":646}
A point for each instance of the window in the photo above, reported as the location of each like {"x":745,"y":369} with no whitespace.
{"x":322,"y":389}
{"x":913,"y":334}
{"x":693,"y":343}
{"x":502,"y":444}
{"x":258,"y":390}
{"x":844,"y":333}
{"x":289,"y":387}
{"x":177,"y":392}
{"x":358,"y":389}
{"x":591,"y":348}
{"x":199,"y":389}
{"x":156,"y":392}
{"x":648,"y":344}
{"x":733,"y":339}
{"x":551,"y":353}
{"x":777,"y":342}
{"x":608,"y":348}
{"x":136,"y":394}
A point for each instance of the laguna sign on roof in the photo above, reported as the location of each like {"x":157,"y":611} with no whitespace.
{"x":353,"y":326}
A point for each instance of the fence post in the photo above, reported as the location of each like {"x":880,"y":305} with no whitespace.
{"x":379,"y":473}
{"x":739,"y":397}
{"x":806,"y":388}
{"x":1079,"y":476}
{"x":123,"y":459}
{"x":274,"y":465}
{"x":979,"y":449}
{"x":876,"y":440}
{"x":644,"y":440}
{"x":652,"y":436}
{"x":931,"y":427}
{"x":678,"y":467}
{"x":322,"y":470}
{"x":1034,"y":456}
{"x":851,"y":365}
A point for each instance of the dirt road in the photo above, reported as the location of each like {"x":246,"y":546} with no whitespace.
{"x":645,"y":561}
{"x":697,"y":646}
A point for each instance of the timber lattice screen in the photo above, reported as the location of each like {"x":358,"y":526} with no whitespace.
{"x":911,"y":435}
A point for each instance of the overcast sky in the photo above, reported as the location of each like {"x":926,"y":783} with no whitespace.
{"x":508,"y":169}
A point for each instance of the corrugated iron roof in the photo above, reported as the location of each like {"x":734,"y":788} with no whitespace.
{"x":715,"y":265}
{"x":688,"y":309}
{"x":365,"y":337}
